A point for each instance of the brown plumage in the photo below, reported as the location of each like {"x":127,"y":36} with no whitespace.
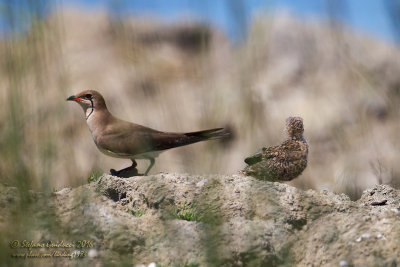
{"x":284,"y":162}
{"x":123,"y":139}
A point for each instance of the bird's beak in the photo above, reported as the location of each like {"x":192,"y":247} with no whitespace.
{"x":73,"y":98}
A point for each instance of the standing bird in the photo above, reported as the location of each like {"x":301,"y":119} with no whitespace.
{"x":122,"y":139}
{"x":284,"y":162}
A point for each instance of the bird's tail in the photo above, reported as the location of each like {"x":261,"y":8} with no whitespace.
{"x":208,"y":134}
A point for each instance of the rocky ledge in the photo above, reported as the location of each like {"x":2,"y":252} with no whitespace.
{"x":231,"y":220}
{"x":216,"y":220}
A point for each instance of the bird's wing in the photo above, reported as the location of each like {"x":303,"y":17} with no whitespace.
{"x":133,"y":139}
{"x":254,"y":158}
{"x":265,"y":152}
{"x":289,"y":150}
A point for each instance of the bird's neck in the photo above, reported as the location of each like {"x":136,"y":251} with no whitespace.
{"x":297,"y":138}
{"x":97,"y":120}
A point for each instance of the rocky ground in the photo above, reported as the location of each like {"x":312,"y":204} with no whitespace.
{"x":220,"y":220}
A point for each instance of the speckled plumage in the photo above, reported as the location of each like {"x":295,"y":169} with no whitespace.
{"x":284,"y":162}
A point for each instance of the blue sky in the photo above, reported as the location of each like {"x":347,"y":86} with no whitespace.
{"x":368,"y":16}
{"x":233,"y":16}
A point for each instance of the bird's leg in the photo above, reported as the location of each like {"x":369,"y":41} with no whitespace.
{"x":152,"y":160}
{"x":127,"y":172}
{"x":134,"y":164}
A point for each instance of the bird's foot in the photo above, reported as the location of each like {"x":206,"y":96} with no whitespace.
{"x":125,"y":173}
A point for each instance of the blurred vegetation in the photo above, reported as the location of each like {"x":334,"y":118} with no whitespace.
{"x":186,"y":77}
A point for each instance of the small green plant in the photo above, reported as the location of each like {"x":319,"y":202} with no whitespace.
{"x":94,"y":176}
{"x":136,"y":213}
{"x":187,"y":211}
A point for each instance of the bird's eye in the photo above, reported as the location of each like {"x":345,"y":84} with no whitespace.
{"x":88,"y":96}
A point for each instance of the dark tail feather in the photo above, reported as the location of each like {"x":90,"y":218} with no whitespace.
{"x":208,"y":134}
{"x":183,"y":139}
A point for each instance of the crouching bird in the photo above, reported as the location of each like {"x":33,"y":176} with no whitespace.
{"x":283,"y":162}
{"x":122,"y":139}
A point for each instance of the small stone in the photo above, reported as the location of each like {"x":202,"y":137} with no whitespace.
{"x":343,"y":263}
{"x":366,"y":218}
{"x":124,"y":201}
{"x":64,"y":191}
{"x":153,"y":264}
{"x":202,"y":182}
{"x":93,"y":253}
{"x":358,"y":240}
{"x":366,"y":235}
{"x":395,"y":210}
{"x":379,"y":236}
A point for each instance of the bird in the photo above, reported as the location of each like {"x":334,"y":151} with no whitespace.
{"x":122,"y":139}
{"x":283,"y":162}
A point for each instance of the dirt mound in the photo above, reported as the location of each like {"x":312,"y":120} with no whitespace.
{"x":225,"y":220}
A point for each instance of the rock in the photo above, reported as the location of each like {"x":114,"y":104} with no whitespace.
{"x":63,"y":191}
{"x":93,"y":253}
{"x":201,"y":183}
{"x":239,"y":221}
{"x":365,"y":235}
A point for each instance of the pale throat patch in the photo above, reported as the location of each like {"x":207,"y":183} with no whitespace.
{"x":90,"y":123}
{"x":89,"y":110}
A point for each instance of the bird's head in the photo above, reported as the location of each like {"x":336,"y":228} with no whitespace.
{"x":294,"y":127}
{"x":89,"y":100}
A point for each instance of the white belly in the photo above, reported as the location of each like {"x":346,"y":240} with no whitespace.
{"x":152,"y":154}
